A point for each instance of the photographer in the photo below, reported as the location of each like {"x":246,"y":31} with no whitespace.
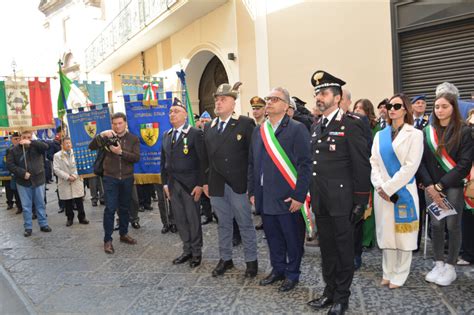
{"x":122,"y":150}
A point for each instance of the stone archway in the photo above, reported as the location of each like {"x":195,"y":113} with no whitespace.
{"x":213,"y":75}
{"x":204,"y":72}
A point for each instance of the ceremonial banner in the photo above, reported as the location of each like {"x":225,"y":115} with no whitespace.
{"x":25,"y":105}
{"x":83,"y":127}
{"x":4,"y":145}
{"x":94,"y":91}
{"x":148,"y":124}
{"x":138,"y":85}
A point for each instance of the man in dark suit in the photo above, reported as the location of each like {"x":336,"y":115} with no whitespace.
{"x":420,"y":121}
{"x":274,"y":198}
{"x":227,"y":140}
{"x":339,"y":189}
{"x":183,"y":174}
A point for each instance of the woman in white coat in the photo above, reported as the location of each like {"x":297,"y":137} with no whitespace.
{"x":396,"y":156}
{"x":70,"y":185}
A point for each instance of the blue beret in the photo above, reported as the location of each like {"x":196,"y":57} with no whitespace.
{"x":417,"y":98}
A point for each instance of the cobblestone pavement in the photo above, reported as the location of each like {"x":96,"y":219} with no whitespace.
{"x":66,"y":271}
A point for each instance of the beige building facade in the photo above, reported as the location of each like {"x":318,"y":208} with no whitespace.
{"x":262,"y":43}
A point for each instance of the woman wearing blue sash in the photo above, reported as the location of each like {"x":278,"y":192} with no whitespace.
{"x":396,"y":156}
{"x":447,"y":160}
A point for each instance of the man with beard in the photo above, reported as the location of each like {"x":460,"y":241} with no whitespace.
{"x":339,"y":189}
{"x":382,"y":123}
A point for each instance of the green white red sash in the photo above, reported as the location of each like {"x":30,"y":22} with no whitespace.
{"x":446,"y":162}
{"x":286,"y":168}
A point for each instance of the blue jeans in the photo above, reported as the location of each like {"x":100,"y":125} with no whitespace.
{"x":28,"y":196}
{"x":118,"y":195}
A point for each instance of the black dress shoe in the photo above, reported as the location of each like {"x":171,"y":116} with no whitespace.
{"x":149,"y":208}
{"x":252,"y":269}
{"x":9,"y":207}
{"x":321,"y":302}
{"x":207,"y":220}
{"x":61,"y":210}
{"x":94,"y":203}
{"x":259,"y":226}
{"x":287,"y":285}
{"x":182,"y":259}
{"x":69,"y":222}
{"x":271,"y":278}
{"x":136,"y":225}
{"x":18,"y":211}
{"x":195,"y":261}
{"x":165,"y":229}
{"x":102,"y":202}
{"x":84,"y":221}
{"x":27,"y":233}
{"x":45,"y":229}
{"x":173,"y":228}
{"x":236,"y":242}
{"x":141,"y":209}
{"x":338,"y":309}
{"x":222,"y":267}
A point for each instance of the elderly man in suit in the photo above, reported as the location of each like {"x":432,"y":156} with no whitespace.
{"x":276,"y":198}
{"x":227,"y":140}
{"x":182,"y":173}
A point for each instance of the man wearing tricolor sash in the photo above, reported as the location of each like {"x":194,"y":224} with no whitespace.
{"x":447,"y":161}
{"x":278,"y":182}
{"x":339,"y":189}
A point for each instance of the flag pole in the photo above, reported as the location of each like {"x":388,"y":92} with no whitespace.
{"x":182,"y":77}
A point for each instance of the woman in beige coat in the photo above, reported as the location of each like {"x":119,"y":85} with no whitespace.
{"x":70,"y":185}
{"x":396,"y":156}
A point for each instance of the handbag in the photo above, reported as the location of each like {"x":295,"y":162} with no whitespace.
{"x":99,"y":163}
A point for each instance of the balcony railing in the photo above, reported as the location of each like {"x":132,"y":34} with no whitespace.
{"x":136,"y":15}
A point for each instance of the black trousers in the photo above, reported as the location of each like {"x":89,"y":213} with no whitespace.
{"x":422,"y":204}
{"x":358,"y":236}
{"x":166,"y":213}
{"x":336,"y":241}
{"x":206,"y":206}
{"x":69,"y":204}
{"x":468,"y":236}
{"x":144,"y":194}
{"x":12,"y":193}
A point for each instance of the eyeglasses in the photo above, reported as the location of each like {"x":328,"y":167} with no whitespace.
{"x":273,"y":99}
{"x":394,"y":106}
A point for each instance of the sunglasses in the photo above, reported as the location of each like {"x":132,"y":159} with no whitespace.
{"x":273,"y":99}
{"x":396,"y":106}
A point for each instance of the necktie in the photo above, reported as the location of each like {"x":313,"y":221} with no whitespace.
{"x":323,"y":125}
{"x":221,"y":127}
{"x":175,"y":136}
{"x":418,"y":123}
{"x":382,"y":124}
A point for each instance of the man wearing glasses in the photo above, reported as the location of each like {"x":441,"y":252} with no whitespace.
{"x":227,"y":140}
{"x":277,"y":199}
{"x":339,"y":189}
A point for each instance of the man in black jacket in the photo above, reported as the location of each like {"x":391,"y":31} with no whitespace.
{"x":227,"y":140}
{"x":12,"y":192}
{"x":339,"y":189}
{"x":182,"y":174}
{"x":26,"y":162}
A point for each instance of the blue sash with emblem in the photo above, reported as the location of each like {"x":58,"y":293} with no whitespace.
{"x":406,"y":220}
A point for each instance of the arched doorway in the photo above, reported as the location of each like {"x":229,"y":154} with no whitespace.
{"x":213,"y":75}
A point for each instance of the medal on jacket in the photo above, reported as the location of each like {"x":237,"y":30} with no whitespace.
{"x":185,"y":146}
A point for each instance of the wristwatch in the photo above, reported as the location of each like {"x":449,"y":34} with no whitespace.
{"x":438,"y":187}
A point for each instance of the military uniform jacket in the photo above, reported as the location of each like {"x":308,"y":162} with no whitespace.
{"x":270,"y":197}
{"x":227,"y":155}
{"x":183,"y":160}
{"x":341,"y":168}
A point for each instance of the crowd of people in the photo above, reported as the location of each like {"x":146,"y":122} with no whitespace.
{"x":371,"y":181}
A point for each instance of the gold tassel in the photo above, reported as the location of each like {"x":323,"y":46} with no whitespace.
{"x":141,"y":179}
{"x":407,"y":227}
{"x":367,"y":212}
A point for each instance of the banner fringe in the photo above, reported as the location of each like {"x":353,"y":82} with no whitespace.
{"x":141,"y":179}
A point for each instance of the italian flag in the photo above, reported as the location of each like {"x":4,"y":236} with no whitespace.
{"x":25,"y":105}
{"x":70,"y":96}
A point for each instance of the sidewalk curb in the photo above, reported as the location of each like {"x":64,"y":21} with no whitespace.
{"x":15,"y":291}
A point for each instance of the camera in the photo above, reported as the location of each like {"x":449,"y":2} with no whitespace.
{"x":112,"y":141}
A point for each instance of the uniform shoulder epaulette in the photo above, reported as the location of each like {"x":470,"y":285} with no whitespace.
{"x":351,"y":115}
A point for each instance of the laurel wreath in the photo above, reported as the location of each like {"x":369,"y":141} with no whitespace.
{"x":25,"y":101}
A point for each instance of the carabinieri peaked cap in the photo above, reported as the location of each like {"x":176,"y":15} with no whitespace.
{"x":322,"y":79}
